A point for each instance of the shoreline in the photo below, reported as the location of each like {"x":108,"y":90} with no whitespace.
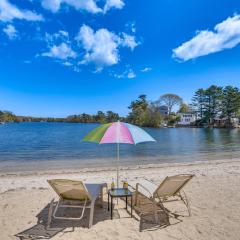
{"x":130,"y":167}
{"x":161,"y":127}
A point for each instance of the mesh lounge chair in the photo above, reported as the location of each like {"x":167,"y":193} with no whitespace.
{"x":74,"y":194}
{"x":169,"y":190}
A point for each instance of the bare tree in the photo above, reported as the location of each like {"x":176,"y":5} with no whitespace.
{"x":170,"y":100}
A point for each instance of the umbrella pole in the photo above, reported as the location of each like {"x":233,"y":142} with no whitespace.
{"x":117,"y":165}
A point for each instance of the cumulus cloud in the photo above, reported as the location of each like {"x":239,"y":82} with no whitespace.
{"x":10,"y":31}
{"x":87,"y":5}
{"x":118,"y":4}
{"x":61,"y":51}
{"x":102,"y":46}
{"x":9,"y":12}
{"x":146,"y":69}
{"x":225,"y":35}
{"x":129,"y":41}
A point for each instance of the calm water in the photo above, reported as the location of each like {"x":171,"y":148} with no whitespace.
{"x":24,"y":144}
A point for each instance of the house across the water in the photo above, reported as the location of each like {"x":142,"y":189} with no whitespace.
{"x":187,"y":118}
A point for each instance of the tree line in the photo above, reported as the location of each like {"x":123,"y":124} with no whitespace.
{"x":216,"y":102}
{"x":208,"y":104}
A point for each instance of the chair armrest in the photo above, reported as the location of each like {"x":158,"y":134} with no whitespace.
{"x":150,"y":181}
{"x":137,"y":187}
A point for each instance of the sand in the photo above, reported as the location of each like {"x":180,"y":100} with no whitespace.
{"x":214,"y":194}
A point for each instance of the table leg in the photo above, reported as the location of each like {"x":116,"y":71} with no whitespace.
{"x":108,"y":201}
{"x":111,"y":207}
{"x":131,"y":206}
{"x":126,"y":202}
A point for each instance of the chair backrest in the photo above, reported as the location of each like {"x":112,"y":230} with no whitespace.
{"x":172,"y":185}
{"x":70,"y":189}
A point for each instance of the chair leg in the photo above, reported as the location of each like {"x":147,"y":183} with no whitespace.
{"x":155,"y":212}
{"x":50,"y":212}
{"x":186,"y":202}
{"x":167,"y":212}
{"x":91,"y":214}
{"x":102,"y":193}
{"x":136,"y":196}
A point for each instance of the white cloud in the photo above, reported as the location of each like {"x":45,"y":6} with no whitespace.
{"x":62,"y":51}
{"x":131,"y":26}
{"x":61,"y":35}
{"x":53,"y":5}
{"x":9,"y":12}
{"x":129,"y":41}
{"x":87,"y":5}
{"x":102,"y":47}
{"x":224,"y":36}
{"x":119,"y":4}
{"x":129,"y":73}
{"x":146,"y":69}
{"x":10,"y":31}
{"x":68,"y":64}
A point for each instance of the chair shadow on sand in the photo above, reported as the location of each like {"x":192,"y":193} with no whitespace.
{"x":144,"y":215}
{"x":41,"y":231}
{"x":148,"y":221}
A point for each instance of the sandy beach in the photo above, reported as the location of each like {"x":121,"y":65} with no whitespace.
{"x":214,"y":195}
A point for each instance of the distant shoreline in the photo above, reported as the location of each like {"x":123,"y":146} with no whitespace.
{"x":178,"y":126}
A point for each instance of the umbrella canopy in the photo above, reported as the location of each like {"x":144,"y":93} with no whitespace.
{"x":118,"y":132}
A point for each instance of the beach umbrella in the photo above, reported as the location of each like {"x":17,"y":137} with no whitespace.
{"x":118,"y":132}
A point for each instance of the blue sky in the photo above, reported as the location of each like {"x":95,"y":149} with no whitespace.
{"x":62,"y":57}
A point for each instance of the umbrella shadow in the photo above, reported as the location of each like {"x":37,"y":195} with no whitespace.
{"x":41,"y":231}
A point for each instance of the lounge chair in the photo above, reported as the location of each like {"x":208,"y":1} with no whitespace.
{"x":171,"y":189}
{"x":74,"y":194}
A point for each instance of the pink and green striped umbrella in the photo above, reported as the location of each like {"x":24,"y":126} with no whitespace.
{"x":118,"y":132}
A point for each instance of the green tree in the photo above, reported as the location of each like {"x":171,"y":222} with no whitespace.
{"x":152,"y":117}
{"x":100,"y":117}
{"x":173,"y":119}
{"x":184,"y":108}
{"x":170,"y":100}
{"x":7,"y":116}
{"x":212,"y":102}
{"x":86,"y":118}
{"x":73,"y":119}
{"x":230,"y":102}
{"x":198,"y":102}
{"x":111,"y":116}
{"x":138,"y":110}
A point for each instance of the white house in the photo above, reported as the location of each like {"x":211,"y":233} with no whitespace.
{"x":187,"y":118}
